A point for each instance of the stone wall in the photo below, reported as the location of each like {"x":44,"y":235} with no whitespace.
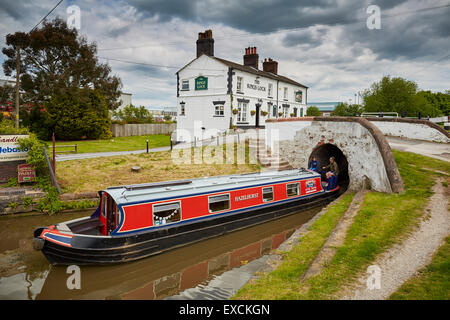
{"x":364,"y":146}
{"x":411,"y":129}
{"x":126,"y":130}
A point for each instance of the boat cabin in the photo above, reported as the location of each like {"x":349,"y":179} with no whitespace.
{"x":137,"y":208}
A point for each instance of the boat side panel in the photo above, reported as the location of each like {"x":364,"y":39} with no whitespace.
{"x":137,"y":217}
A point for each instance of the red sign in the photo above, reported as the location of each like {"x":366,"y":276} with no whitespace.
{"x":25,"y":173}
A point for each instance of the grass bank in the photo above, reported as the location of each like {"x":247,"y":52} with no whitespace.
{"x":98,"y":173}
{"x":116,"y":144}
{"x":432,"y":282}
{"x":383,"y":219}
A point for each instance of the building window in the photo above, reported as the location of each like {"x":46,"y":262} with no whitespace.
{"x":239,"y":84}
{"x":292,"y":189}
{"x":242,"y":111}
{"x":166,"y":213}
{"x":270,"y":90}
{"x":285,"y":111}
{"x":267,"y":194}
{"x":285,"y":96}
{"x":219,"y":203}
{"x":295,"y":112}
{"x":218,"y":111}
{"x":185,"y":85}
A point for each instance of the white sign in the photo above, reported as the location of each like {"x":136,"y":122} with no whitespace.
{"x":9,"y":148}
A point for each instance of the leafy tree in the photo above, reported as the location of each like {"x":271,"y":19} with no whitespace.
{"x":397,"y":95}
{"x":313,"y":111}
{"x":79,"y":114}
{"x":60,"y":71}
{"x":347,"y":110}
{"x":54,"y":58}
{"x":132,"y":114}
{"x":438,"y":101}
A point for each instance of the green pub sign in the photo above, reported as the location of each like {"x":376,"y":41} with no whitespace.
{"x":201,"y":83}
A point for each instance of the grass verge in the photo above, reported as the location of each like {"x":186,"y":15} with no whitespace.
{"x":116,"y":144}
{"x":432,"y":282}
{"x":283,"y":282}
{"x":98,"y":173}
{"x":383,"y":219}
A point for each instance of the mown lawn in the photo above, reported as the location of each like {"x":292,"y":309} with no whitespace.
{"x":116,"y":144}
{"x":98,"y":173}
{"x":383,"y":219}
{"x":432,"y":282}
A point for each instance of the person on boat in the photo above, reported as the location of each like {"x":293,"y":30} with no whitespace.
{"x":332,"y":172}
{"x":314,"y":165}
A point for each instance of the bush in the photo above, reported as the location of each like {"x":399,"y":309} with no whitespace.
{"x":36,"y":157}
{"x":9,"y":127}
{"x":313,"y":111}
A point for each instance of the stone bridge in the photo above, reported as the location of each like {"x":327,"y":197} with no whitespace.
{"x":359,"y":147}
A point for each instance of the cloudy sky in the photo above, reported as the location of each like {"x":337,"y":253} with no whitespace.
{"x":323,"y":44}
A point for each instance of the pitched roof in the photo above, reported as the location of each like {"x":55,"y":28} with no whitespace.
{"x":259,"y":72}
{"x":251,"y":70}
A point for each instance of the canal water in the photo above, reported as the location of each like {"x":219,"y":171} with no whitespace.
{"x":26,"y":274}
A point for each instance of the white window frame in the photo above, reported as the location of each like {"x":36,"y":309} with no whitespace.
{"x":285,"y":95}
{"x":183,"y":83}
{"x":242,"y":111}
{"x":298,"y":189}
{"x":166,"y":203}
{"x":219,"y":110}
{"x":285,"y":112}
{"x":219,"y":195}
{"x":271,"y":191}
{"x":239,"y":84}
{"x":270,"y":90}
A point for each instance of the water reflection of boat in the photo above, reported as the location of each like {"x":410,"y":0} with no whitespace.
{"x":176,"y":270}
{"x":138,"y":221}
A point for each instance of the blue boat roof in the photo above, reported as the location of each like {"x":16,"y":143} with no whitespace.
{"x":177,"y":188}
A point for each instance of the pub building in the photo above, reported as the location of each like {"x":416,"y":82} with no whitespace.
{"x":220,"y":94}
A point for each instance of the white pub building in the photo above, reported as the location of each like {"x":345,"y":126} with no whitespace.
{"x":215,"y":94}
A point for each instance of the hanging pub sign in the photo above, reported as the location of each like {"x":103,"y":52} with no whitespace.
{"x":298,"y":96}
{"x":201,"y":83}
{"x":9,"y":148}
{"x":25,"y":173}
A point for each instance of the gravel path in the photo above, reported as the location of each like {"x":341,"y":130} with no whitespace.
{"x":402,"y":261}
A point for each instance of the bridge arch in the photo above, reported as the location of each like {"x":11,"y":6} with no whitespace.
{"x":323,"y":152}
{"x":363,"y":145}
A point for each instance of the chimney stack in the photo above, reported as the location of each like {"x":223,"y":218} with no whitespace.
{"x":251,"y":57}
{"x":205,"y":43}
{"x":270,"y":66}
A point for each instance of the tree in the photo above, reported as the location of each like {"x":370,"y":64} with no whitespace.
{"x":439,"y":102}
{"x":132,"y":114}
{"x":53,"y":58}
{"x":58,"y":65}
{"x":396,"y":95}
{"x":347,"y":110}
{"x":313,"y":111}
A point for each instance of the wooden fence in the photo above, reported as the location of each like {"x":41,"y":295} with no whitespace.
{"x":126,"y":130}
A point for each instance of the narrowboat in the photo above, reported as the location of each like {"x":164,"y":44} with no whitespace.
{"x":136,"y":221}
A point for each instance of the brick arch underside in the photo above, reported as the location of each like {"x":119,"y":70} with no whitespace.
{"x":358,"y":144}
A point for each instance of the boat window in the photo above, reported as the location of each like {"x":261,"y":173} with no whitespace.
{"x":166,"y":213}
{"x":104,"y":205}
{"x":267,"y":194}
{"x":292,"y":189}
{"x":219,"y":203}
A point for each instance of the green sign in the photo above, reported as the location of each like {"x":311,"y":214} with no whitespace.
{"x":298,"y":96}
{"x":201,"y":83}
